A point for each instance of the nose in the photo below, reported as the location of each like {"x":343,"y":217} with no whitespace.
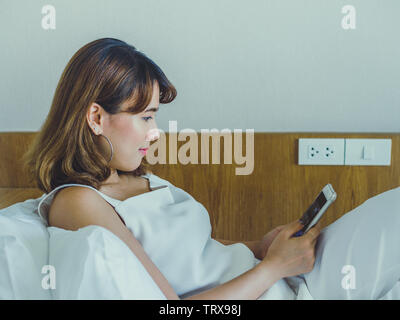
{"x":153,"y":134}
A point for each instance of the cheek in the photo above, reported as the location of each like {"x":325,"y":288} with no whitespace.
{"x":131,"y":134}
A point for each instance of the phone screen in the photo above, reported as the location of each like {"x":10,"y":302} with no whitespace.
{"x":311,"y":212}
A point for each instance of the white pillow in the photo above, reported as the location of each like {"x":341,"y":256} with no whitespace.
{"x":93,"y":263}
{"x":23,"y":252}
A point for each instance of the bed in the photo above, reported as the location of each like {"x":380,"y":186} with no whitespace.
{"x":241,"y":207}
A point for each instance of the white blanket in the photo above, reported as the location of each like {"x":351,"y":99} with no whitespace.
{"x":92,"y":263}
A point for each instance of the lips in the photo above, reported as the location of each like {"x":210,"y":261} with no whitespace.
{"x":143,"y":151}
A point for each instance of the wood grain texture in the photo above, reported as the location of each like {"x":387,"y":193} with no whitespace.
{"x":10,"y":196}
{"x":243,"y":207}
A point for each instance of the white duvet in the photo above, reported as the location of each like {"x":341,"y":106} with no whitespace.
{"x":92,"y":263}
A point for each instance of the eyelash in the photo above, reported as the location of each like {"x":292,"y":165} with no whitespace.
{"x":147,"y":118}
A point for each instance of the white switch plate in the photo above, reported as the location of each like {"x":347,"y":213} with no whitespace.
{"x":321,"y":151}
{"x":368,"y":152}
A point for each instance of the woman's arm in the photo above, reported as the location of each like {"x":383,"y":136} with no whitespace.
{"x":252,"y":245}
{"x":248,"y":286}
{"x":287,"y":256}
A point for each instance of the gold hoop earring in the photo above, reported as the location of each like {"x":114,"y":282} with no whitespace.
{"x":108,"y":140}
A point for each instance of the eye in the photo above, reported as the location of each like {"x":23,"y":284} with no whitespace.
{"x":147,"y":118}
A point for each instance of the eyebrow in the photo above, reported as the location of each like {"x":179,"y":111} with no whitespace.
{"x":152,"y":109}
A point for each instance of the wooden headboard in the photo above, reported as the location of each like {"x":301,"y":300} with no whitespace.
{"x":242,"y":207}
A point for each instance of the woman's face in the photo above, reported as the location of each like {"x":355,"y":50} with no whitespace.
{"x":127,"y":133}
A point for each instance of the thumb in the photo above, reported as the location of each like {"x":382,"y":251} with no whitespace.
{"x":279,"y":228}
{"x":292,"y":228}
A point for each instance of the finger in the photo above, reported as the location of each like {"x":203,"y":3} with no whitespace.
{"x":313,"y":233}
{"x":292,"y":228}
{"x":319,"y":225}
{"x":314,"y":242}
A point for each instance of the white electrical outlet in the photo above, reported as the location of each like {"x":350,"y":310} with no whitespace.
{"x":321,"y":151}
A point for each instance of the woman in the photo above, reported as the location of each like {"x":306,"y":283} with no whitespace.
{"x":89,"y":158}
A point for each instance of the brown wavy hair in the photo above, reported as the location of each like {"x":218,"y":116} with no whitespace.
{"x":109,"y":72}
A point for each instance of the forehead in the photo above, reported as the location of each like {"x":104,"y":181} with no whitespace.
{"x":155,"y":99}
{"x":154,"y":102}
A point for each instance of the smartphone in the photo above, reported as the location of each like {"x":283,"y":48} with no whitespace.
{"x":314,"y":213}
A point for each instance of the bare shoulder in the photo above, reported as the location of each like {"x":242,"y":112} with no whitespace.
{"x":75,"y":207}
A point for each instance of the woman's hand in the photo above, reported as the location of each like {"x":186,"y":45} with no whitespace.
{"x":290,"y":256}
{"x":265,"y":242}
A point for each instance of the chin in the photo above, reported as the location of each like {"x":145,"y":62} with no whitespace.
{"x":129,"y":168}
{"x":133,"y":168}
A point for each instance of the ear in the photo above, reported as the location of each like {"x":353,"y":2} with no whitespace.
{"x":95,"y":118}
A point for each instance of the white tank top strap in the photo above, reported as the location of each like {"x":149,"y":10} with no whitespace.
{"x":155,"y":181}
{"x":44,"y":204}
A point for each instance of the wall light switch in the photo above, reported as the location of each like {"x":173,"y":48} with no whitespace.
{"x":368,"y":152}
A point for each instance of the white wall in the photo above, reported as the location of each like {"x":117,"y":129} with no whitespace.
{"x":273,"y":66}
